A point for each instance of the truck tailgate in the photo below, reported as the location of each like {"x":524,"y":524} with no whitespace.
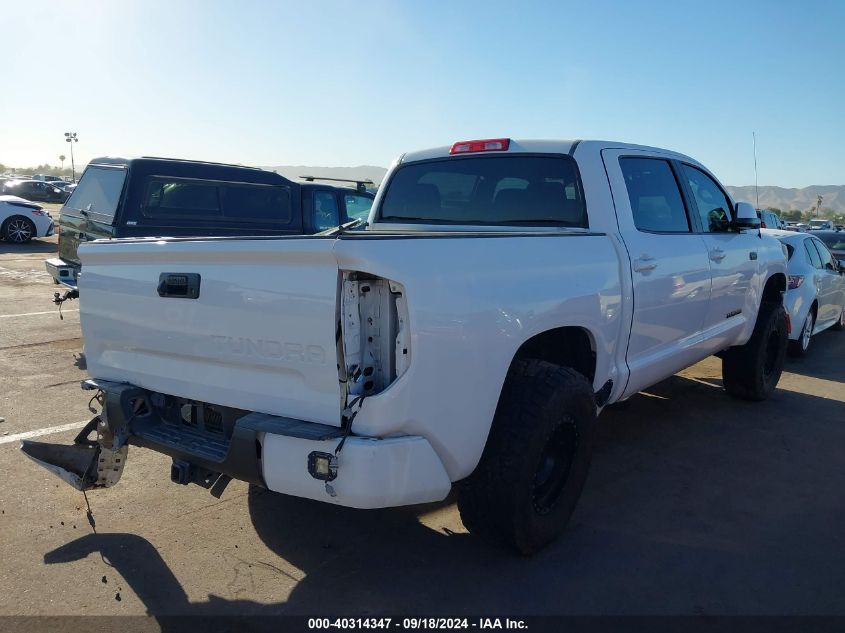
{"x":260,"y":335}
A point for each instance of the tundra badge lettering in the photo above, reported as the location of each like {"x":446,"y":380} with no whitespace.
{"x":270,"y":349}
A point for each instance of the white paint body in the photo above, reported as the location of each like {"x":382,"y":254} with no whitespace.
{"x":12,"y":206}
{"x":261,"y":334}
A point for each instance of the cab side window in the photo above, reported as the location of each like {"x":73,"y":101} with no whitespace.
{"x":357,"y":207}
{"x":824,"y":254}
{"x":714,"y":207}
{"x":656,"y":201}
{"x":325,"y":210}
{"x":812,"y":254}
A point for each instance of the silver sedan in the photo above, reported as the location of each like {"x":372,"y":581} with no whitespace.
{"x":815,"y":296}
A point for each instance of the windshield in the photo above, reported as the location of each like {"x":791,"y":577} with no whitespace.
{"x":516,"y":190}
{"x":98,"y":191}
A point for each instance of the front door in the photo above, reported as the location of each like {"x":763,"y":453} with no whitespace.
{"x":732,"y":256}
{"x":670,"y":271}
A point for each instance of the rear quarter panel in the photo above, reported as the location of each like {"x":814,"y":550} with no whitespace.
{"x":473,"y":301}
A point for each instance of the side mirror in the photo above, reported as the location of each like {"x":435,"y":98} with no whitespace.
{"x":746,"y":217}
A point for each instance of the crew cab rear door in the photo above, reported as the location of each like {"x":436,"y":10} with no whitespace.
{"x":246,"y":323}
{"x":670,"y":272}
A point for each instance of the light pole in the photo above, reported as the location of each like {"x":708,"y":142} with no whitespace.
{"x":70,"y":137}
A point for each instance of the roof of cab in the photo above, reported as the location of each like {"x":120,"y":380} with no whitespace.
{"x":117,"y":160}
{"x":537,"y":146}
{"x":204,"y":170}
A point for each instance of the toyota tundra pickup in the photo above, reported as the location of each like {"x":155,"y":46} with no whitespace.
{"x":501,"y":295}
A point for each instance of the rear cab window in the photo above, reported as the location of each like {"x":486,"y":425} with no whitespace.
{"x":98,"y":192}
{"x":521,"y":190}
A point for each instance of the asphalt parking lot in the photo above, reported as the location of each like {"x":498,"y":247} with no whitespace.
{"x":696,"y":504}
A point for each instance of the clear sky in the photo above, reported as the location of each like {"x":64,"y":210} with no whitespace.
{"x":359,"y":82}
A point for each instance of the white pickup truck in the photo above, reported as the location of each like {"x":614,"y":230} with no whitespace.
{"x":502,"y":294}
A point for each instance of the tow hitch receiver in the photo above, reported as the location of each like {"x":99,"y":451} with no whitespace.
{"x":87,"y":463}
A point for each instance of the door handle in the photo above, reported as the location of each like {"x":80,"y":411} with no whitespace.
{"x":717,"y":255}
{"x":644,"y":263}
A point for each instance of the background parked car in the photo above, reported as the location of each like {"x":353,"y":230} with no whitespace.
{"x":67,"y":187}
{"x":815,"y":296}
{"x":21,"y":220}
{"x":143,"y":197}
{"x":835,"y":241}
{"x":826,"y":225}
{"x":35,"y":190}
{"x":46,"y":178}
{"x":769,"y":219}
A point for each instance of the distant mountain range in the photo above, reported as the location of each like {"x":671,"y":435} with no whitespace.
{"x":833,"y":196}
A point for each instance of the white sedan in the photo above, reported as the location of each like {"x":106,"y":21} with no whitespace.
{"x":21,"y":220}
{"x":815,"y":296}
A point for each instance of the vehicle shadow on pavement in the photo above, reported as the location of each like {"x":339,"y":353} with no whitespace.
{"x":35,"y":246}
{"x":696,"y":504}
{"x":825,"y":360}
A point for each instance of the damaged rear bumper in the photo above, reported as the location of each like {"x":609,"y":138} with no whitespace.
{"x":208,"y":443}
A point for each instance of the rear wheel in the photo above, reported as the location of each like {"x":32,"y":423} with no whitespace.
{"x":18,"y":229}
{"x":536,"y":459}
{"x":802,"y":345}
{"x":752,"y":371}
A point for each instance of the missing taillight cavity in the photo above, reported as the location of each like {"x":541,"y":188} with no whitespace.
{"x":795,"y":281}
{"x":374,"y":346}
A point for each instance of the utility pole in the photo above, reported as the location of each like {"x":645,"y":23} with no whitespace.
{"x":70,"y":137}
{"x":756,"y":188}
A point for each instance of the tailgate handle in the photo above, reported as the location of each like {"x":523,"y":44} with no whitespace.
{"x":179,"y":285}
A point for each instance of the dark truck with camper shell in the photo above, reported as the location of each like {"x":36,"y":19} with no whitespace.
{"x":165,"y":197}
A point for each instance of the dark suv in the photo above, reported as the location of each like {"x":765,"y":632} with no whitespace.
{"x":35,"y":190}
{"x":162,"y":197}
